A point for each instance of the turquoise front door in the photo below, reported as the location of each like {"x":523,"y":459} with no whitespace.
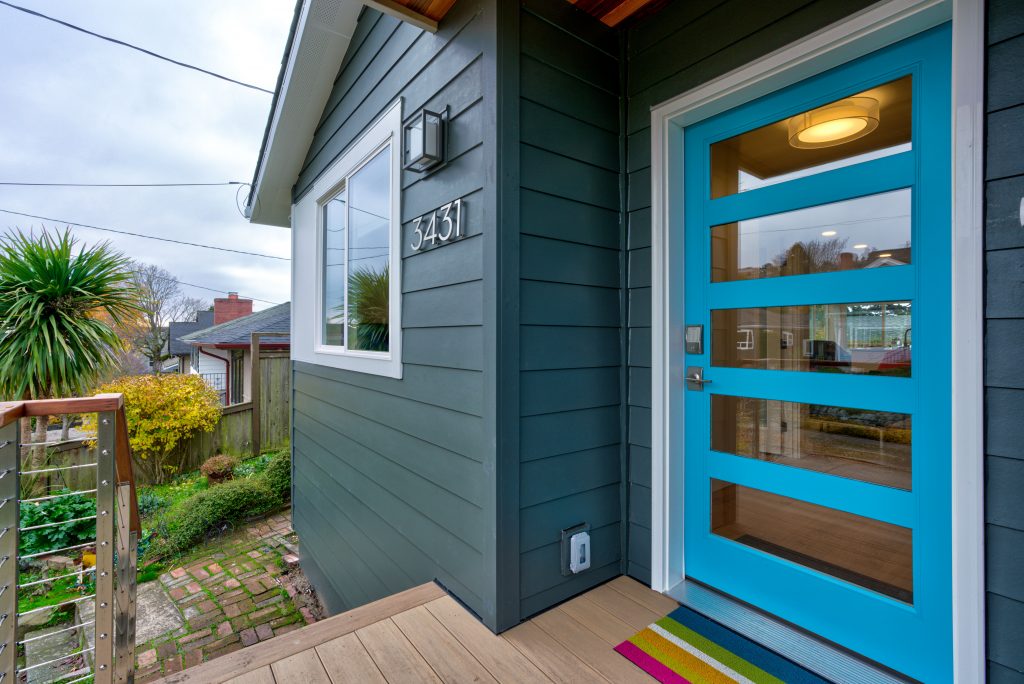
{"x":817,"y":243}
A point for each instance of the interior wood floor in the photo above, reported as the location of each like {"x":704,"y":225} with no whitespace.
{"x":423,"y":635}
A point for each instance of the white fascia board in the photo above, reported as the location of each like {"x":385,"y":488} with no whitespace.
{"x":322,"y":36}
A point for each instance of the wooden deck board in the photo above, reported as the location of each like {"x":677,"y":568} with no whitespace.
{"x":442,"y":651}
{"x":346,"y":660}
{"x":398,"y":660}
{"x":553,"y":659}
{"x":659,"y":603}
{"x":302,"y":667}
{"x":260,"y":676}
{"x":423,"y":635}
{"x":501,"y":658}
{"x":604,"y":624}
{"x":626,"y":609}
{"x":589,"y":647}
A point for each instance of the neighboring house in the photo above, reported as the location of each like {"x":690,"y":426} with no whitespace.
{"x":222,"y":354}
{"x":497,"y":349}
{"x":181,"y":352}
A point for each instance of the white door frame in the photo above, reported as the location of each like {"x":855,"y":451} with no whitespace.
{"x":881,"y":24}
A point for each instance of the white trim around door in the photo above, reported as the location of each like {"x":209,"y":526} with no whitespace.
{"x":880,"y":25}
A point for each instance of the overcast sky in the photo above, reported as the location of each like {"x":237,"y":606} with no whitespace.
{"x":77,"y":109}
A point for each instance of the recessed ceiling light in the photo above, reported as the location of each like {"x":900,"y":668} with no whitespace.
{"x":884,"y":255}
{"x":828,"y":233}
{"x":862,"y":246}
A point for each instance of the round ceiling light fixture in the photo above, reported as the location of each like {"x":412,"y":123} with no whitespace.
{"x":834,"y":124}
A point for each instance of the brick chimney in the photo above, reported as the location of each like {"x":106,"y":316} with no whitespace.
{"x":229,"y":308}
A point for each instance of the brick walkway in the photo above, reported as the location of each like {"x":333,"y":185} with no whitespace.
{"x":233,"y":593}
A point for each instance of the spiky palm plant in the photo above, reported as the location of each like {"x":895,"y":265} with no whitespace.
{"x":54,"y":339}
{"x":368,"y":308}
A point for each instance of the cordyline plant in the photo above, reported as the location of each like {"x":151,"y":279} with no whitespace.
{"x":368,"y":309}
{"x":57,"y":304}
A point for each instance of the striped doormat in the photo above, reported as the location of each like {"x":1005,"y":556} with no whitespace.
{"x":687,"y":648}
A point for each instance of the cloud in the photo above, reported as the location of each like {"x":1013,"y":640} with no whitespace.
{"x":78,"y":109}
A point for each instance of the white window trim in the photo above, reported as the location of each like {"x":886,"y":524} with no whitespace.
{"x":307,"y":256}
{"x":882,"y":24}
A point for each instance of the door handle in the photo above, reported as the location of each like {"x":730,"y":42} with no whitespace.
{"x":695,"y":379}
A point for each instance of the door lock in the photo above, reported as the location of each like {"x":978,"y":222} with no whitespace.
{"x":695,"y":378}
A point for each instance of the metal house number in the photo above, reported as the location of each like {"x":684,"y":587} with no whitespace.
{"x":440,"y":226}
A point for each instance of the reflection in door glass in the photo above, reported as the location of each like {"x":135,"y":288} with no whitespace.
{"x":866,"y":232}
{"x":871,"y":338}
{"x":866,"y":125}
{"x":870,"y":553}
{"x":871,"y":446}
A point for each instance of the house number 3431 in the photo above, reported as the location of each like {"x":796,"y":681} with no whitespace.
{"x":442,"y":225}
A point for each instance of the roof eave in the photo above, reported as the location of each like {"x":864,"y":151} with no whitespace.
{"x":320,"y":36}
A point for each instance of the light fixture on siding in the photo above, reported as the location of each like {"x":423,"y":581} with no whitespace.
{"x":425,"y":140}
{"x":834,"y":124}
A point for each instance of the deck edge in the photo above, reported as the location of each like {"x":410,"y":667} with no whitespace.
{"x":260,"y":655}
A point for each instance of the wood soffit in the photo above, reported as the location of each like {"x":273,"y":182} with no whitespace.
{"x":429,"y":12}
{"x":614,"y":12}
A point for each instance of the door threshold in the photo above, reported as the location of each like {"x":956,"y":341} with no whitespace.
{"x":821,"y":657}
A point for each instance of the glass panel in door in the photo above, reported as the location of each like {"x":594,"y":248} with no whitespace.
{"x":817,"y":459}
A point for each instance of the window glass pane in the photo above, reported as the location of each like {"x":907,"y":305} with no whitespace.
{"x":872,"y":338}
{"x":870,"y":124}
{"x":334,"y":271}
{"x":871,"y":446}
{"x":369,"y":220}
{"x":870,"y":553}
{"x":867,"y":232}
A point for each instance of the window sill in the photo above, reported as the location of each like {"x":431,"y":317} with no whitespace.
{"x":370,"y":363}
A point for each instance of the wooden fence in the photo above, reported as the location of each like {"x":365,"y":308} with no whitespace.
{"x":232,"y":436}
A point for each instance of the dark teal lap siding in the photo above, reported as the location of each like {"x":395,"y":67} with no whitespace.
{"x":570,"y":344}
{"x":394,"y":482}
{"x":1004,"y":312}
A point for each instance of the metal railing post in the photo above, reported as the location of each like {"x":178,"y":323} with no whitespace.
{"x":105,"y":512}
{"x":10,"y":456}
{"x":127,"y":559}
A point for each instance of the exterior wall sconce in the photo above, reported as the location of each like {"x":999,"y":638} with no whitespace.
{"x":834,"y":124}
{"x":425,"y":142}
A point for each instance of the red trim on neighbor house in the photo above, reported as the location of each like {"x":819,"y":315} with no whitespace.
{"x":276,"y":345}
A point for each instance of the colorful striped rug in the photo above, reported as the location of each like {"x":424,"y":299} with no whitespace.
{"x":686,"y":647}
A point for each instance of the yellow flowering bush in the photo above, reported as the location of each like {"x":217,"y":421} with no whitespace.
{"x":162,"y":411}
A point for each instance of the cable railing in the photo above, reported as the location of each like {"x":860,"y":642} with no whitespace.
{"x":100,"y":648}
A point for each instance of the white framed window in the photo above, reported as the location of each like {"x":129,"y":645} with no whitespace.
{"x":346,"y":254}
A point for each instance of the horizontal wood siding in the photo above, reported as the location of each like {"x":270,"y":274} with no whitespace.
{"x":677,"y":49}
{"x":1004,"y":378}
{"x":391,"y":475}
{"x":570,"y":298}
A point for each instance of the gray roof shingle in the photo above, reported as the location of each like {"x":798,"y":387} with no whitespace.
{"x":275,"y":319}
{"x":178,"y":329}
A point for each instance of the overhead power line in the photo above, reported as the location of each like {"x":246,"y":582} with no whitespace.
{"x":141,"y":235}
{"x":121,"y":185}
{"x":213,"y":289}
{"x":133,"y":47}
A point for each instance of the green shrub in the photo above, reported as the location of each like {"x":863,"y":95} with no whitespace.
{"x":219,"y":468}
{"x":56,"y":510}
{"x":279,"y":475}
{"x":231,"y":502}
{"x":150,"y":502}
{"x":253,"y":466}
